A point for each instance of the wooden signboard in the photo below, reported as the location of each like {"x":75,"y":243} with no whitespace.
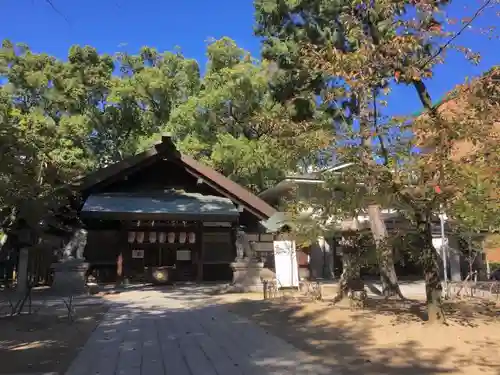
{"x":138,"y":254}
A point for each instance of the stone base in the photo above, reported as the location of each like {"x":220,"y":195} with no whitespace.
{"x":246,"y":276}
{"x":69,"y":277}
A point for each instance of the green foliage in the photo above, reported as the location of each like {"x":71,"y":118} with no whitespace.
{"x":358,"y":49}
{"x":60,"y":119}
{"x":348,"y":54}
{"x":234,"y":124}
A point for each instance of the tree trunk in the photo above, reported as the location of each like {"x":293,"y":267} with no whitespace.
{"x":388,"y":277}
{"x":390,"y":286}
{"x":350,"y":280}
{"x":433,"y":287}
{"x":350,"y":271}
{"x":433,"y":292}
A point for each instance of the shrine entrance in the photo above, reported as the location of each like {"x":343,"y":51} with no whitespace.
{"x":170,"y":246}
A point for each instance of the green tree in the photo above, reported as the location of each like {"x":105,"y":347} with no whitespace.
{"x":234,"y":124}
{"x":45,"y":145}
{"x":61,"y":119}
{"x":141,"y":99}
{"x":362,"y":45}
{"x":474,"y":200}
{"x":291,"y":27}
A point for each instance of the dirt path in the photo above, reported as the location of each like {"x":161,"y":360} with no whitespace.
{"x":386,"y":338}
{"x":45,"y":342}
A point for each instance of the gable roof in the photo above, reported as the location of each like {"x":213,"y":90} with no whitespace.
{"x":165,"y":148}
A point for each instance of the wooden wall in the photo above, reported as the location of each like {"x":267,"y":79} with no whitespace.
{"x":104,"y":246}
{"x":162,"y":174}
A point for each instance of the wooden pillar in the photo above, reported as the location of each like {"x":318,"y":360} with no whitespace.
{"x":199,"y":239}
{"x":234,"y":233}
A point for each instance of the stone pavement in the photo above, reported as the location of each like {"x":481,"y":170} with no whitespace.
{"x":156,"y":332}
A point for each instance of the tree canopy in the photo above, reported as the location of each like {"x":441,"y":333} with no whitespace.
{"x":63,"y":118}
{"x":234,"y":124}
{"x":60,"y":119}
{"x":348,"y":54}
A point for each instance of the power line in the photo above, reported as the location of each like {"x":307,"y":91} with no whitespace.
{"x":458,"y":33}
{"x":55,"y":9}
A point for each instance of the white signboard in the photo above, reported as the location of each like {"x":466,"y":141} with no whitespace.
{"x":138,"y":254}
{"x":285,"y":262}
{"x":183,"y":255}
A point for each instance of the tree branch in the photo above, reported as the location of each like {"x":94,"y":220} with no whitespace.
{"x":457,"y":34}
{"x":383,"y":149}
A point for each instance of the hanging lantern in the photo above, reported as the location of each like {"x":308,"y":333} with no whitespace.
{"x":152,"y":237}
{"x":131,"y":237}
{"x":140,"y":237}
{"x":171,"y":237}
{"x":162,"y":237}
{"x":182,"y":237}
{"x":191,"y":237}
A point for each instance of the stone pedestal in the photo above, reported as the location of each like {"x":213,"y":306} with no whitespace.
{"x":69,"y":277}
{"x":246,"y":276}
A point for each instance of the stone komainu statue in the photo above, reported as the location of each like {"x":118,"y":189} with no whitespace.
{"x":244,"y":249}
{"x":75,"y":247}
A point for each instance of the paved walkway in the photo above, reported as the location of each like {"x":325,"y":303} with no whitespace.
{"x":171,"y":332}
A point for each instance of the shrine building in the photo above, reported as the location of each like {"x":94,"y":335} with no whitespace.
{"x":162,"y":209}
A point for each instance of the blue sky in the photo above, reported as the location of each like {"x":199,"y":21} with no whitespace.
{"x":126,"y":25}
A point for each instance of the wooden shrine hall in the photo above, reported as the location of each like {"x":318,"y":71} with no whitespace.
{"x":161,"y":209}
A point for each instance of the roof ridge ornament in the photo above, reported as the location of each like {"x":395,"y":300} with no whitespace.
{"x":166,"y":140}
{"x":166,"y":137}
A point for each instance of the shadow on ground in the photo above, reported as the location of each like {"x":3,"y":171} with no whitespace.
{"x":467,"y":313}
{"x":211,"y":340}
{"x":147,"y":331}
{"x":45,"y":341}
{"x":351,"y":348}
{"x":344,"y":347}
